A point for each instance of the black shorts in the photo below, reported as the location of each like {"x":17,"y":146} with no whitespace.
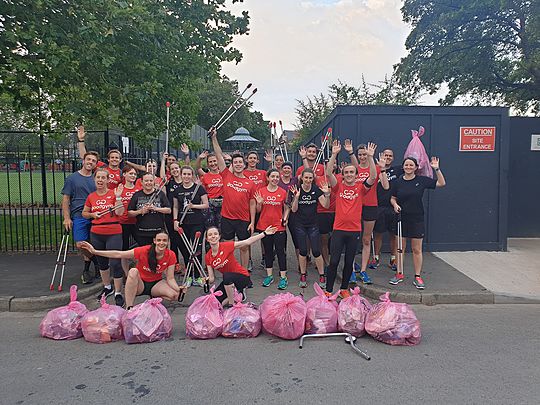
{"x":326,"y":222}
{"x":240,"y":282}
{"x":412,"y":228}
{"x":369,"y":213}
{"x":148,"y":285}
{"x":234,"y":227}
{"x":386,"y":220}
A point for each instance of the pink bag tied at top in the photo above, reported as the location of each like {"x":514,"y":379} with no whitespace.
{"x":352,"y":313}
{"x":204,"y":318}
{"x":321,"y":315}
{"x":242,"y":320}
{"x":103,"y":325}
{"x":393,"y":323}
{"x":147,"y":322}
{"x":416,"y":150}
{"x":64,"y":322}
{"x":284,"y":315}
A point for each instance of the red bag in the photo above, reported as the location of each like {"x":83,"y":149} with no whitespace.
{"x":393,"y":323}
{"x":321,"y":315}
{"x":204,"y":318}
{"x":284,"y":315}
{"x":242,"y":320}
{"x":64,"y":322}
{"x":416,"y":150}
{"x":352,"y":313}
{"x":103,"y":325}
{"x":147,"y":322}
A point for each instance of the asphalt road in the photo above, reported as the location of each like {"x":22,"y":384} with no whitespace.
{"x":470,"y":354}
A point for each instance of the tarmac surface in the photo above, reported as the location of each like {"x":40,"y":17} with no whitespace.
{"x":451,"y":278}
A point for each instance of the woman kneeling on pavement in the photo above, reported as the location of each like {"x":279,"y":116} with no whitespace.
{"x":220,"y":257}
{"x":146,"y":278}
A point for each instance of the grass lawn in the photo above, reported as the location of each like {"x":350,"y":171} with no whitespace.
{"x":23,"y":188}
{"x":38,"y":232}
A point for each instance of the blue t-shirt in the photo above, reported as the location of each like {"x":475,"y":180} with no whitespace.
{"x":78,"y":187}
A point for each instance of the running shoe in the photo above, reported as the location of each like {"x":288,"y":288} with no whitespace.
{"x":250,"y":266}
{"x":283,"y":283}
{"x":419,"y":283}
{"x":198,"y":282}
{"x":86,"y":277}
{"x":328,"y":294}
{"x":189,"y":282}
{"x":398,"y":278}
{"x":393,"y":264}
{"x":344,"y":294}
{"x":119,"y":300}
{"x":322,"y":281}
{"x":303,"y":281}
{"x":106,"y":291}
{"x":365,"y":278}
{"x":353,"y":279}
{"x":374,"y":263}
{"x":267,"y":281}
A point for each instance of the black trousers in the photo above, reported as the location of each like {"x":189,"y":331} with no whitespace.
{"x":342,"y":240}
{"x":275,"y":243}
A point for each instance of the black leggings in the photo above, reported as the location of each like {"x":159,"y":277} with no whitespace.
{"x":128,"y":236}
{"x":275,"y":243}
{"x":189,"y":231}
{"x":340,"y":240}
{"x":240,"y":282}
{"x":305,"y":234}
{"x":291,"y":224}
{"x":108,"y":242}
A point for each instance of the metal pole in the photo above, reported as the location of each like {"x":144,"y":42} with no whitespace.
{"x":43,"y":173}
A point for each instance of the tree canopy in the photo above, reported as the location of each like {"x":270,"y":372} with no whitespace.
{"x":486,"y":50}
{"x":312,"y":111}
{"x":110,"y":62}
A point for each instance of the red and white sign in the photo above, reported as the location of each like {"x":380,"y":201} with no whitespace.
{"x":476,"y":139}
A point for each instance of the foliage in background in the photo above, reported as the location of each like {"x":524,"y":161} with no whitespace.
{"x":111,"y":63}
{"x":311,"y":112}
{"x":487,"y":51}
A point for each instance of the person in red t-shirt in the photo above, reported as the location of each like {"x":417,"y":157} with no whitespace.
{"x":213,"y":184}
{"x":347,"y":223}
{"x":146,"y":278}
{"x":273,"y":211}
{"x":257,"y":176}
{"x":220,"y":257}
{"x":309,"y":156}
{"x":128,"y":223}
{"x":238,"y":210}
{"x":370,"y":205}
{"x":104,"y":207}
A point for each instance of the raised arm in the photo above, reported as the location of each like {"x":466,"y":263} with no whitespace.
{"x":217,"y":150}
{"x":348,"y":146}
{"x":336,"y":148}
{"x":324,"y":199}
{"x":184,"y":148}
{"x":372,"y":169}
{"x":383,"y":177}
{"x":81,"y":134}
{"x":441,"y":182}
{"x":112,"y":254}
{"x":163,"y":165}
{"x":252,"y":239}
{"x":140,"y":168}
{"x":198,"y":164}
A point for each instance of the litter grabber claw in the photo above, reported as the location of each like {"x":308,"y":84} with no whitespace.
{"x":62,"y":252}
{"x":349,"y":339}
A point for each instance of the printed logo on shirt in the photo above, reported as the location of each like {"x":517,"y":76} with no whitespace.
{"x":237,"y":186}
{"x":307,"y":199}
{"x":158,"y":268}
{"x":361,"y":177}
{"x":271,"y":200}
{"x":218,"y":264}
{"x":348,"y":194}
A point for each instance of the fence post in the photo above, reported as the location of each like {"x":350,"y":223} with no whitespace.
{"x":106,"y":139}
{"x":43,"y":172}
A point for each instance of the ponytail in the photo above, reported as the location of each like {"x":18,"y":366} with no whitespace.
{"x":152,"y":258}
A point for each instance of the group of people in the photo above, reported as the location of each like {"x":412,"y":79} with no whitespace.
{"x":327,"y":209}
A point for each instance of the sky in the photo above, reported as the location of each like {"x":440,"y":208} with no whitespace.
{"x":296,"y":49}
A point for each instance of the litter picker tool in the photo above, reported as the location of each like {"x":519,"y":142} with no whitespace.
{"x":279,"y":143}
{"x":349,"y":339}
{"x":167,"y":105}
{"x":193,"y":194}
{"x":283,"y":140}
{"x":62,"y":252}
{"x":233,"y":108}
{"x":399,"y":244}
{"x":323,"y":146}
{"x":109,"y":210}
{"x":193,"y":262}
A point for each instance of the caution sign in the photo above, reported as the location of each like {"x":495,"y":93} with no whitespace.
{"x":476,"y":139}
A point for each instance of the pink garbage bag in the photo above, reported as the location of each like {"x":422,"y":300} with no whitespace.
{"x":284,"y":315}
{"x":393,"y":323}
{"x":103,"y":325}
{"x":147,"y":322}
{"x":352,"y":313}
{"x":204,"y":318}
{"x":242,"y":320}
{"x":64,"y":322}
{"x":416,"y":150}
{"x":321,"y":315}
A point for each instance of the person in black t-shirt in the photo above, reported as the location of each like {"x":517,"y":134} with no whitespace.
{"x":149,"y":208}
{"x":304,"y":204}
{"x":386,"y":217}
{"x":191,"y":199}
{"x":407,"y":193}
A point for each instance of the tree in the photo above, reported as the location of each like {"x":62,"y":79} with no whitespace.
{"x":216,"y":96}
{"x":484,"y":50}
{"x":312,"y":112}
{"x":111,"y":62}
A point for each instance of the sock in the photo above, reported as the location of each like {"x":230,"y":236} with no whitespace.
{"x":376,"y":257}
{"x":117,"y":293}
{"x":417,"y":275}
{"x":108,"y":286}
{"x":392,"y":257}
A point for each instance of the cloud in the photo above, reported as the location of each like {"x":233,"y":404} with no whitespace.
{"x":297,"y":48}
